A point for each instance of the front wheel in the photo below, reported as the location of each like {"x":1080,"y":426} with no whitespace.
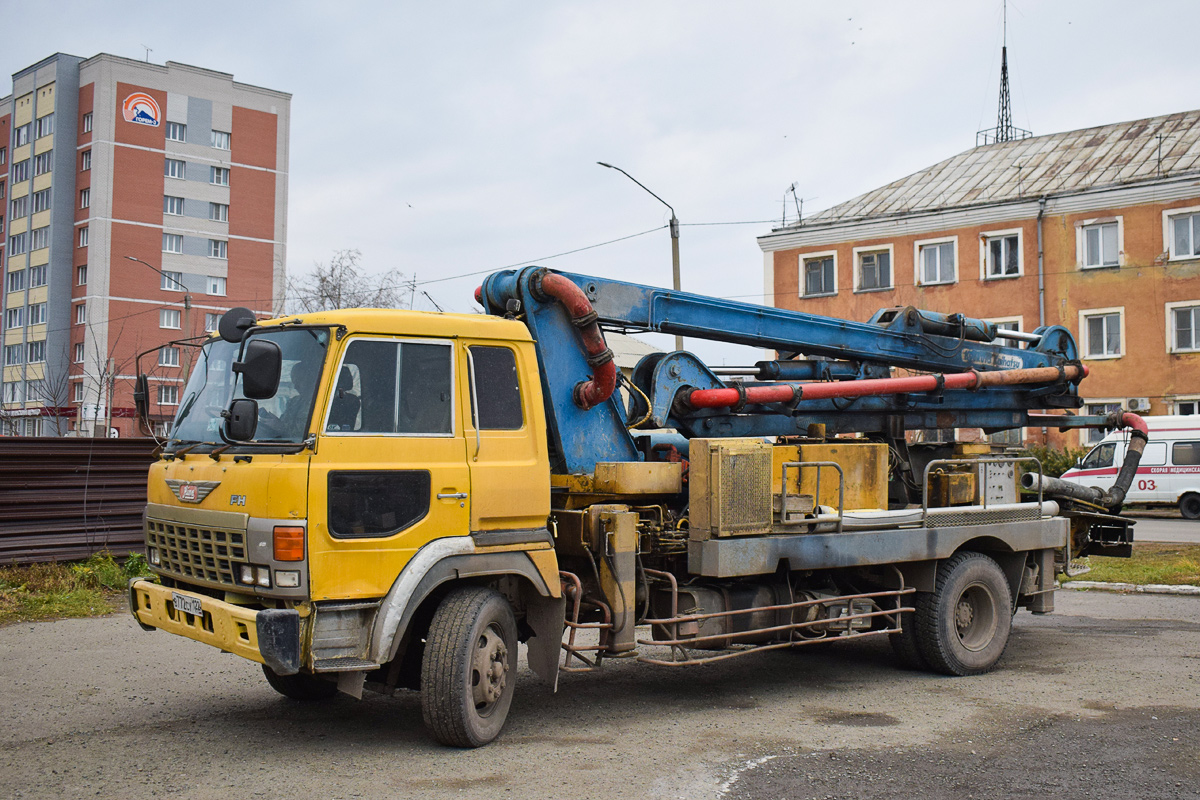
{"x":469,"y":670}
{"x":300,"y":686}
{"x":963,"y":625}
{"x":1189,"y":506}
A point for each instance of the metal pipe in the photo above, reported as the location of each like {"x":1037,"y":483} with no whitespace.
{"x":786,"y":393}
{"x":1114,"y":497}
{"x":590,"y":393}
{"x":1041,"y":265}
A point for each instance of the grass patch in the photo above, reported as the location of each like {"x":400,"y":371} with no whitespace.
{"x":1152,"y":562}
{"x":53,"y":591}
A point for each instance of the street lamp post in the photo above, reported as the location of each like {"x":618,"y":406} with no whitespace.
{"x":674,"y":236}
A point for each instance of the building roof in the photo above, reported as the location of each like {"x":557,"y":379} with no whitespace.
{"x":1061,"y":163}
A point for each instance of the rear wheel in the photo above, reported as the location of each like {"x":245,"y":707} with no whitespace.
{"x":963,"y":625}
{"x":469,"y":670}
{"x":904,"y":643}
{"x":1189,"y":506}
{"x":300,"y":686}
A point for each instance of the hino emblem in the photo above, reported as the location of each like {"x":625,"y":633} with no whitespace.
{"x":192,"y":491}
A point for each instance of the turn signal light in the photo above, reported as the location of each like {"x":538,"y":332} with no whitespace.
{"x":289,"y":543}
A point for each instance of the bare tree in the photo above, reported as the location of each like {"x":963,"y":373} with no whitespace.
{"x":53,"y":391}
{"x":340,"y":283}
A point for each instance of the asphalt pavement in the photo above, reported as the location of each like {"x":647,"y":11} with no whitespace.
{"x":1160,"y":527}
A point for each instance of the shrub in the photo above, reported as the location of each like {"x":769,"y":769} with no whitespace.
{"x":1054,"y":461}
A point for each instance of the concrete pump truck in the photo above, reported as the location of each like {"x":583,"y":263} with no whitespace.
{"x":380,"y":500}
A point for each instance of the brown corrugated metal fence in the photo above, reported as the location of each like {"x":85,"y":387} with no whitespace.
{"x":63,"y":499}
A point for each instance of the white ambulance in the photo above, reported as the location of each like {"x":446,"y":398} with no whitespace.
{"x":1168,"y":474}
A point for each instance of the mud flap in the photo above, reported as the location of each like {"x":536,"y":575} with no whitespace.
{"x":546,"y":616}
{"x":279,"y":639}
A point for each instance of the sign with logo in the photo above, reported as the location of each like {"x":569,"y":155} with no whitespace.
{"x":141,"y":109}
{"x":189,"y":493}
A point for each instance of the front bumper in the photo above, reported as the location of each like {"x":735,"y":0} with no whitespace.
{"x":269,"y":636}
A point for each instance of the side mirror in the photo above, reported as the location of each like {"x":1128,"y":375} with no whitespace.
{"x":141,"y":399}
{"x":261,"y":364}
{"x":234,"y":323}
{"x":241,"y":420}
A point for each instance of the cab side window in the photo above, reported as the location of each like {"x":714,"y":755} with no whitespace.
{"x":1102,"y":456}
{"x":495,"y":385}
{"x":389,"y":387}
{"x":1185,"y":454}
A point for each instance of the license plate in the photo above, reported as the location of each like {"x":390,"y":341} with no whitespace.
{"x":188,"y":605}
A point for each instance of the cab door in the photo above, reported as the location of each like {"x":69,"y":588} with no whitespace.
{"x":505,"y":432}
{"x":389,"y":473}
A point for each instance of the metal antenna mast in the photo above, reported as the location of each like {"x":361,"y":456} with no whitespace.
{"x":1004,"y":131}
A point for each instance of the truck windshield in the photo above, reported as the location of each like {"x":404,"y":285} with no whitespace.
{"x":282,"y":419}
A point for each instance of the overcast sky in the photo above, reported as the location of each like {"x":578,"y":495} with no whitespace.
{"x":451,"y":137}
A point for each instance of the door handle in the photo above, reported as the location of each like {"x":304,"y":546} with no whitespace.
{"x":452,"y":496}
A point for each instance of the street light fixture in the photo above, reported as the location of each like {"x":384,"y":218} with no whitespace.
{"x":187,"y":296}
{"x":674,"y":236}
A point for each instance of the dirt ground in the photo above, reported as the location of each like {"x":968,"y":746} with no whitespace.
{"x":1101,"y":699}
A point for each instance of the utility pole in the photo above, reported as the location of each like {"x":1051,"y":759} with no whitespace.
{"x":674,"y":236}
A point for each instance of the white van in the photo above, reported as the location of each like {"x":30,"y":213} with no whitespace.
{"x":1168,"y":474}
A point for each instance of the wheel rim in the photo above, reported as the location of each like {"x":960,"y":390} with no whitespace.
{"x":975,"y":617}
{"x":489,"y":670}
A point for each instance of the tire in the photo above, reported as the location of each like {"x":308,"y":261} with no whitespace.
{"x":300,"y":686}
{"x":904,"y":643}
{"x":469,"y":670}
{"x":963,"y":625}
{"x":1189,"y":506}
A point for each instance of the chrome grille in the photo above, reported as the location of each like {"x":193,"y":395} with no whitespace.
{"x":198,"y":552}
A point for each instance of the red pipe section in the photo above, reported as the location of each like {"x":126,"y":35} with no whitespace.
{"x":786,"y":393}
{"x":590,"y":393}
{"x":1135,"y":422}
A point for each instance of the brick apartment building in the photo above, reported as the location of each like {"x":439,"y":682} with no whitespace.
{"x":140,"y":201}
{"x":1096,"y":230}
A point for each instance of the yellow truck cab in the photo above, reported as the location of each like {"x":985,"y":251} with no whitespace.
{"x":398,"y":466}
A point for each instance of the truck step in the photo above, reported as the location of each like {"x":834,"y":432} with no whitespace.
{"x":347,"y":664}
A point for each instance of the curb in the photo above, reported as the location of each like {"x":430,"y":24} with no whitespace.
{"x":1133,"y":588}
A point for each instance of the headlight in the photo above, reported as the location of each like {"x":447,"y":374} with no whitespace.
{"x":152,"y":556}
{"x":247,"y":575}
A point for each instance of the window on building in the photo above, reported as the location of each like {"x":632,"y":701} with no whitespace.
{"x":1185,"y":325}
{"x":41,"y":200}
{"x":172,"y":281}
{"x":174,"y":168}
{"x":12,"y":392}
{"x":15,"y":281}
{"x":168,"y":318}
{"x":217,"y":248}
{"x":20,"y":207}
{"x":14,"y":354}
{"x":1100,"y":245}
{"x":1187,"y":406}
{"x":1003,"y":255}
{"x":218,"y":176}
{"x":18,"y":243}
{"x":83,"y":236}
{"x":3,"y":193}
{"x":1101,"y":332}
{"x":77,"y":391}
{"x":3,"y":155}
{"x":1098,"y":409}
{"x":216,"y":285}
{"x":211,"y":321}
{"x":176,"y":132}
{"x":168,"y":357}
{"x":20,"y":171}
{"x":21,"y":135}
{"x":173,"y":205}
{"x":81,"y":274}
{"x":78,"y":352}
{"x":37,"y":276}
{"x":220,"y":140}
{"x":875,"y":270}
{"x":44,"y":126}
{"x":1,"y":227}
{"x":936,"y":262}
{"x":168,"y":395}
{"x":1185,"y":236}
{"x":39,"y":238}
{"x":81,"y":313}
{"x":87,"y":122}
{"x":14,"y":317}
{"x":819,"y":276}
{"x":36,"y":352}
{"x":172,"y":243}
{"x":85,"y":198}
{"x":43,"y":162}
{"x":85,"y":160}
{"x":218,"y":212}
{"x":37,"y":314}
